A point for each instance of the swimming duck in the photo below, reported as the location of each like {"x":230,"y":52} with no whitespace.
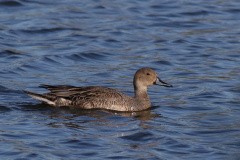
{"x":101,"y":97}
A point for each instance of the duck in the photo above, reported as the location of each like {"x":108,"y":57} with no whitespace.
{"x":91,"y":97}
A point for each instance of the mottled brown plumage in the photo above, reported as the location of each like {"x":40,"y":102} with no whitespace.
{"x":102,"y":97}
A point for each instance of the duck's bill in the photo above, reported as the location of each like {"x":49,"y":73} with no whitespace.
{"x":161,"y":83}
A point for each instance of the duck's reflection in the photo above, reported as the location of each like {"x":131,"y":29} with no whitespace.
{"x":64,"y":112}
{"x":142,"y":115}
{"x":77,"y":118}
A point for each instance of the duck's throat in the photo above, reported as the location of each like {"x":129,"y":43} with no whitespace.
{"x":141,"y":93}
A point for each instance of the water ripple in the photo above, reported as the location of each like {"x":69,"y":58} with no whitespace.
{"x":10,"y":4}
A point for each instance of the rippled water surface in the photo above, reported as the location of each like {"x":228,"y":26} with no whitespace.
{"x":193,"y":45}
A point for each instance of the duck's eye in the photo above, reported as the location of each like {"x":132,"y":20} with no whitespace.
{"x":148,"y":74}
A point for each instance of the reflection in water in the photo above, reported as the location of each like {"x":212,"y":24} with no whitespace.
{"x":75,"y":117}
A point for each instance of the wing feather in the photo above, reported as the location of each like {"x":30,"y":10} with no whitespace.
{"x":90,"y":92}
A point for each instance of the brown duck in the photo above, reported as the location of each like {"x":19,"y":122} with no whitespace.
{"x":102,"y":97}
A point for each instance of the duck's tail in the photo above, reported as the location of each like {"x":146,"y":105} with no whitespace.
{"x":42,"y":97}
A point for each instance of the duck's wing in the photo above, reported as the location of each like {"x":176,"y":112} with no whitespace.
{"x":58,"y":88}
{"x":81,"y":92}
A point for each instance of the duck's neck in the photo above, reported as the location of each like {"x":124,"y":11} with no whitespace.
{"x":140,"y":92}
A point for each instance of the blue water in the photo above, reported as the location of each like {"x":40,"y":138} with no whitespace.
{"x":193,"y":45}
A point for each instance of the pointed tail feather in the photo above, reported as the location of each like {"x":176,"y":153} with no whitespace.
{"x":41,"y":97}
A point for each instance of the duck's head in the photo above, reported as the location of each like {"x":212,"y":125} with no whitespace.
{"x":145,"y":77}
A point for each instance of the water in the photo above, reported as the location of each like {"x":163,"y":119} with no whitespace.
{"x":193,"y":45}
